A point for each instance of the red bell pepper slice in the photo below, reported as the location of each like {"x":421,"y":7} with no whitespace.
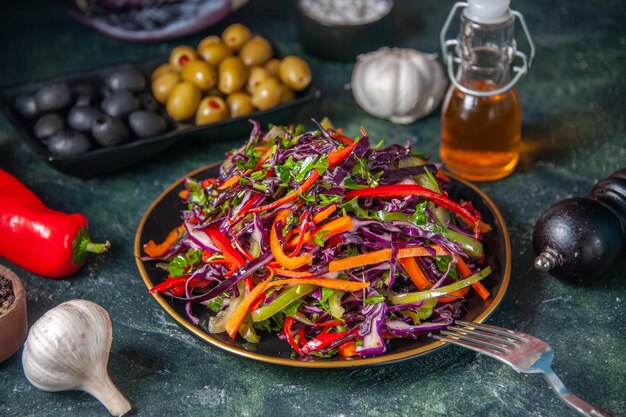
{"x":321,"y":341}
{"x":223,"y":244}
{"x":289,"y":335}
{"x":404,"y":190}
{"x":172,"y":283}
{"x":231,"y":254}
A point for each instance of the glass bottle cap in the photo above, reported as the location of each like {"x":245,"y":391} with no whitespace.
{"x":488,"y":11}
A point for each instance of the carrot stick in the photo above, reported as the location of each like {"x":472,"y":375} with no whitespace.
{"x":263,"y":158}
{"x":333,"y":227}
{"x":466,"y":272}
{"x":323,"y":215}
{"x":283,"y":259}
{"x":292,"y":274}
{"x":291,"y":195}
{"x":382,"y":255}
{"x":334,"y":158}
{"x":229,"y":182}
{"x":420,"y":281}
{"x":415,"y":273}
{"x":155,"y":250}
{"x":347,"y":349}
{"x":332,"y":283}
{"x":234,"y":322}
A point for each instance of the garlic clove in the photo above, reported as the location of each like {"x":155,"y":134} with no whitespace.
{"x":68,"y":348}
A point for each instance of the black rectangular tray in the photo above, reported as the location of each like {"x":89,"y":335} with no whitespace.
{"x":102,"y":160}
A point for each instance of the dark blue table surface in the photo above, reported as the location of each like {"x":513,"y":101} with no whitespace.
{"x":574,"y":133}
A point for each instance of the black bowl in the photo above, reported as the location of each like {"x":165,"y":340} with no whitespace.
{"x":102,"y":160}
{"x":342,"y":42}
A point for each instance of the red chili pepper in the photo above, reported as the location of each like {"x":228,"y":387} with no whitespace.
{"x":403,"y":190}
{"x":321,"y":341}
{"x":289,"y":335}
{"x":44,"y":241}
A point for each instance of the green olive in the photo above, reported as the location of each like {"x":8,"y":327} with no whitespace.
{"x":160,"y":70}
{"x":180,"y":55}
{"x":183,"y":101}
{"x":213,"y":50}
{"x":200,"y":73}
{"x":272,"y":66}
{"x":232,"y":75}
{"x":256,"y":77}
{"x":288,"y":95}
{"x":163,"y":85}
{"x":268,"y":94}
{"x":236,"y":35}
{"x":294,"y":72}
{"x":239,"y":104}
{"x":211,"y":109}
{"x":209,"y":40}
{"x":257,"y":51}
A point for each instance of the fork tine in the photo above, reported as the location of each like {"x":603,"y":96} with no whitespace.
{"x":481,"y":343}
{"x":490,"y":337}
{"x":475,"y":347}
{"x":493,"y":329}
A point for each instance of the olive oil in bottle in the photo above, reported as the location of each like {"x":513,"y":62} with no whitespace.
{"x":481,"y":117}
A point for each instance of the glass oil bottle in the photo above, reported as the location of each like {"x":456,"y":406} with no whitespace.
{"x":481,"y":117}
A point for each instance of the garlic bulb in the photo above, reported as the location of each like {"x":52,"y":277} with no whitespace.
{"x":401,"y":85}
{"x":68,"y":348}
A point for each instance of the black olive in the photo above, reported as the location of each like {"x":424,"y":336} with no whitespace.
{"x":84,"y":94}
{"x":81,"y":118}
{"x":127,"y":78}
{"x":146,"y":124}
{"x":68,"y":142}
{"x":48,"y":125}
{"x":120,"y":103}
{"x":53,"y":97}
{"x":26,"y":105}
{"x":109,"y":131}
{"x":148,"y":102}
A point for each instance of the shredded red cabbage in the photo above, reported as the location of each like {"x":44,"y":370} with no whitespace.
{"x":275,"y":165}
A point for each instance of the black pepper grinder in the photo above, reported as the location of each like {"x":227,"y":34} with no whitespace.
{"x":582,"y":238}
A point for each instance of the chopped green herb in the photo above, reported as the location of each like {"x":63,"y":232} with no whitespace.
{"x":318,"y":238}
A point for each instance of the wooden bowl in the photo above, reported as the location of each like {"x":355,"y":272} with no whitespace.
{"x":13,"y":323}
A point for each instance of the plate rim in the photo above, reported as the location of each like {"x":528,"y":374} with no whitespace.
{"x":385,"y":359}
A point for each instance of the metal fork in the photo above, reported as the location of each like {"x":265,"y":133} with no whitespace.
{"x":520,"y":351}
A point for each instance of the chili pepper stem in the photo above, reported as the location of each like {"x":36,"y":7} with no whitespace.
{"x":83,"y":245}
{"x":97,"y":247}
